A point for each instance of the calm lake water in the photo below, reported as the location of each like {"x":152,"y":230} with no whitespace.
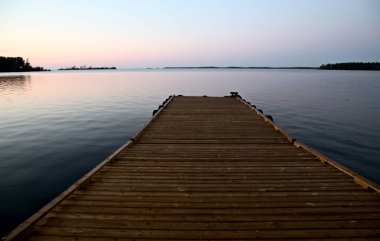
{"x":56,"y":126}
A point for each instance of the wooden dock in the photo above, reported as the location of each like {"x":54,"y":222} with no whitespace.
{"x":211,"y":168}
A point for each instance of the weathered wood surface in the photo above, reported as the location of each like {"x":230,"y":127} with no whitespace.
{"x":210,"y":168}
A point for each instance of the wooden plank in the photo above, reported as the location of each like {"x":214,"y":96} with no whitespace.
{"x":65,"y":238}
{"x":299,"y":193}
{"x":323,"y":186}
{"x":354,"y":216}
{"x":209,"y":234}
{"x":215,"y":205}
{"x":220,"y":199}
{"x":186,"y":225}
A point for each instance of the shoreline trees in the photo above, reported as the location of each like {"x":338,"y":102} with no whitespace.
{"x":352,"y":66}
{"x":17,"y":64}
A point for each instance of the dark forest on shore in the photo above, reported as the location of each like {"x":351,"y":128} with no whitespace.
{"x":352,"y":66}
{"x":17,"y":64}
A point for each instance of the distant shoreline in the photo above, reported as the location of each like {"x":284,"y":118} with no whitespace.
{"x":372,"y":66}
{"x":237,"y":67}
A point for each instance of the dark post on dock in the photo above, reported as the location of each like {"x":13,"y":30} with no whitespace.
{"x":211,"y":168}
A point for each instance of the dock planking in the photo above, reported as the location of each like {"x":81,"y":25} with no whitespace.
{"x":211,"y":168}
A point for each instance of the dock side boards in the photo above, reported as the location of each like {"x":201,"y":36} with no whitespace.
{"x":365,"y":183}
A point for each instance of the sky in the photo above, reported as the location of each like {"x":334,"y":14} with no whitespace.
{"x":159,"y":33}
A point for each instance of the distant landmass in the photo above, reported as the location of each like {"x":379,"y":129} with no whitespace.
{"x":17,"y":64}
{"x":352,"y":66}
{"x":84,"y":67}
{"x":336,"y":66}
{"x":237,"y":67}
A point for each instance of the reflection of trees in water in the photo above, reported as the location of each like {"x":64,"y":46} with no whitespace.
{"x":15,"y":83}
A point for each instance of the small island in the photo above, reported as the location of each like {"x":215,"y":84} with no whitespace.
{"x":84,"y":67}
{"x":352,"y":66}
{"x":17,"y":64}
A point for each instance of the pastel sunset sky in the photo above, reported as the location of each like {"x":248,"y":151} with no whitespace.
{"x":158,"y":33}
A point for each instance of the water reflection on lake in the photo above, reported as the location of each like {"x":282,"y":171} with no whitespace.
{"x":16,"y":84}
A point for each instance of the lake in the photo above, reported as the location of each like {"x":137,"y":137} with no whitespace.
{"x":56,"y":126}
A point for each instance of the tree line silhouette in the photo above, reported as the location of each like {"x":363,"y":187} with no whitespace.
{"x":352,"y":66}
{"x":17,"y":64}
